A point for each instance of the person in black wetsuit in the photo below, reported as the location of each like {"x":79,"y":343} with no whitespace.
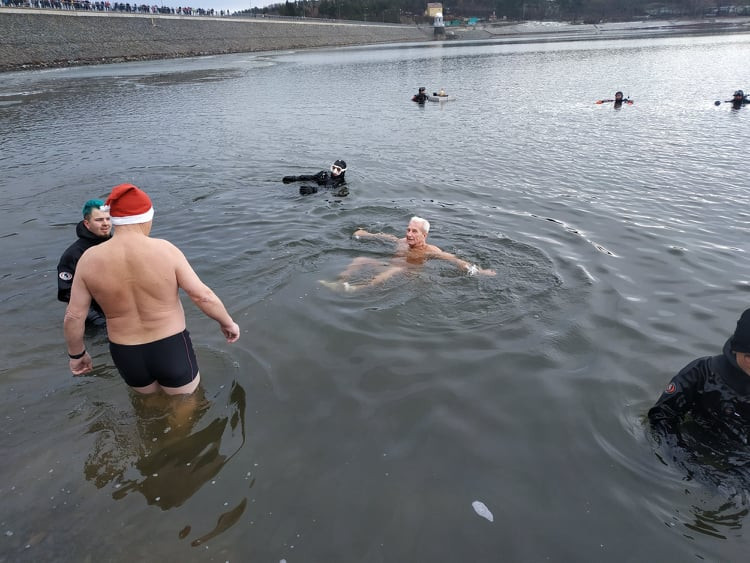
{"x":421,"y":96}
{"x":332,"y":180}
{"x":713,"y":391}
{"x":701,"y":421}
{"x":618,"y":100}
{"x":739,"y":99}
{"x":95,"y":228}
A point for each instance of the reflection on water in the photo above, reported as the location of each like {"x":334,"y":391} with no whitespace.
{"x":721,"y":468}
{"x":716,"y":522}
{"x":167,"y":442}
{"x":226,"y":521}
{"x":619,"y":238}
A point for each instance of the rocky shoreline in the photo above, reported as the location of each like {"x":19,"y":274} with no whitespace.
{"x":34,"y":38}
{"x":69,"y":38}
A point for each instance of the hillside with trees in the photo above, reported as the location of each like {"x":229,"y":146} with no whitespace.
{"x":575,"y":11}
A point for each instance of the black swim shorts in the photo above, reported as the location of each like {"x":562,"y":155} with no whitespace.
{"x":170,"y":361}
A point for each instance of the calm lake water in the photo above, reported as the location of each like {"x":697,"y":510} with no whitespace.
{"x":362,"y":427}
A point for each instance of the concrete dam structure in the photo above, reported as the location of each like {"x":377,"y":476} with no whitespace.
{"x":36,"y":38}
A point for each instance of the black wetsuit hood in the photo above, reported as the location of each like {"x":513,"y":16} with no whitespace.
{"x":731,"y":372}
{"x":83,"y":233}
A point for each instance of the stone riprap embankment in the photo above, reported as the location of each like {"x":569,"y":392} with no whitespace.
{"x":43,"y":38}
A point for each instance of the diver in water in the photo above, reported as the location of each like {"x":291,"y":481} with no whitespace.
{"x":618,"y":100}
{"x":739,"y":99}
{"x":332,"y":180}
{"x":714,"y":391}
{"x":420,"y":97}
{"x":701,"y":421}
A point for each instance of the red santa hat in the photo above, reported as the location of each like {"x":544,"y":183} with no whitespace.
{"x":129,"y":205}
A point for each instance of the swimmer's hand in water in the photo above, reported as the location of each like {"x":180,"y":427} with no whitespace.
{"x":338,"y":286}
{"x":289,"y":179}
{"x":231,"y":332}
{"x":82,"y":365}
{"x":473,"y":269}
{"x":360,"y":233}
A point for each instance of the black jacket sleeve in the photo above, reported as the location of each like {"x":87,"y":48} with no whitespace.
{"x":65,"y":270}
{"x":319,"y":178}
{"x":679,"y":397}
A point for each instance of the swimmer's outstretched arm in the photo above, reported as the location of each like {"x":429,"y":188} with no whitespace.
{"x":361,"y":233}
{"x":471,"y":269}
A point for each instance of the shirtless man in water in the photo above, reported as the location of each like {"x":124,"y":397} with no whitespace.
{"x":412,"y":250}
{"x":135,"y":279}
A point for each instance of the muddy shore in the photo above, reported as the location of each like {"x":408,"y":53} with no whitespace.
{"x":34,"y":38}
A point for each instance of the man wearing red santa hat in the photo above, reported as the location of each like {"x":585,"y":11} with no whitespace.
{"x":135,"y":279}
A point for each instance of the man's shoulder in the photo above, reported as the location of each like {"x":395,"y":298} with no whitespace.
{"x":161,"y":248}
{"x":164,"y":243}
{"x":700,"y":369}
{"x":698,"y":362}
{"x":89,"y":254}
{"x":73,"y":250}
{"x":143,"y":246}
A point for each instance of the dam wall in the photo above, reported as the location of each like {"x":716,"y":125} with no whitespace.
{"x":36,"y":38}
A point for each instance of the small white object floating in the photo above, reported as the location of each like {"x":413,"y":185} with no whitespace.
{"x":434,"y":98}
{"x":481,"y":509}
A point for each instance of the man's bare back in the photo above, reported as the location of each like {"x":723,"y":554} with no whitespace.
{"x":136,"y":281}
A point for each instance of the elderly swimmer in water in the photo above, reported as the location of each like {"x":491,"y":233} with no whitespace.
{"x":411,"y":250}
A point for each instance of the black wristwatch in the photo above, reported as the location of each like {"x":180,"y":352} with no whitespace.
{"x":77,"y":356}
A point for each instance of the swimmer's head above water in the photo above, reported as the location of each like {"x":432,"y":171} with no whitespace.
{"x":338,"y":168}
{"x":416,"y":232}
{"x":424,"y":224}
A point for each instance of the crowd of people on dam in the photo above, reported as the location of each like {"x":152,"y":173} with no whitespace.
{"x":125,"y":7}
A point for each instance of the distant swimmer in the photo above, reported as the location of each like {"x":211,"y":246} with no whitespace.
{"x":738,"y":100}
{"x":136,"y":280}
{"x":618,"y":100}
{"x":420,"y":97}
{"x":335,"y":180}
{"x":411,"y":251}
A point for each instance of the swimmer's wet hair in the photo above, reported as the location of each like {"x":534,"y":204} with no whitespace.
{"x":425,"y":224}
